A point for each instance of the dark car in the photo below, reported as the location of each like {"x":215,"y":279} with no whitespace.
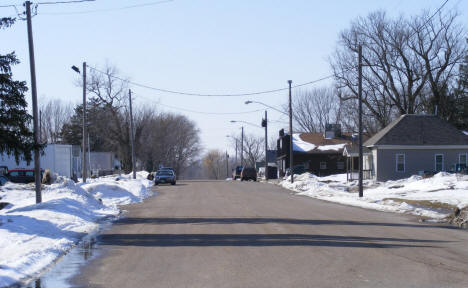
{"x":236,"y":172}
{"x":21,"y":175}
{"x":248,"y":174}
{"x":3,"y":180}
{"x":164,"y":176}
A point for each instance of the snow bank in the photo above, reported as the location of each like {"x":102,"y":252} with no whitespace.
{"x":402,"y":196}
{"x":33,"y":235}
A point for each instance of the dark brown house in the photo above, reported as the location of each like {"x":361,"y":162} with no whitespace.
{"x":317,"y":153}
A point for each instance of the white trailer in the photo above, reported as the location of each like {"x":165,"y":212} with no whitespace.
{"x":56,"y":157}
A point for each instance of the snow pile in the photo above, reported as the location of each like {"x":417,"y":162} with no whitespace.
{"x":301,"y":145}
{"x":33,"y":235}
{"x":335,"y":147}
{"x":434,"y":197}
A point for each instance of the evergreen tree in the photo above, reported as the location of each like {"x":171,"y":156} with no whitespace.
{"x":15,"y":136}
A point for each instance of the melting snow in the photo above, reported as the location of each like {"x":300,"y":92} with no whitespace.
{"x":301,"y":145}
{"x":443,"y":187}
{"x":33,"y":235}
{"x":335,"y":147}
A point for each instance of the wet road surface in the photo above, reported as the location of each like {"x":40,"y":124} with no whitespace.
{"x":238,"y":234}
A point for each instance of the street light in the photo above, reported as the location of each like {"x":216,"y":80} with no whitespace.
{"x":76,"y":69}
{"x":242,"y":142}
{"x":85,"y":132}
{"x":266,"y":105}
{"x":245,"y":122}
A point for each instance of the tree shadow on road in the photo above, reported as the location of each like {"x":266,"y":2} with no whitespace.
{"x":205,"y":240}
{"x":258,"y":220}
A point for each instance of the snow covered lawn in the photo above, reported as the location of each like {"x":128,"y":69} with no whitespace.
{"x":33,"y":235}
{"x":433,"y":197}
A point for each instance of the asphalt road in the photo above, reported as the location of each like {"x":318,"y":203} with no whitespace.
{"x":237,"y":234}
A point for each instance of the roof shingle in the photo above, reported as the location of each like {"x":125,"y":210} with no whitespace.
{"x":410,"y":129}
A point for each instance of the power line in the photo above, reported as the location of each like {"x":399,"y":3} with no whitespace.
{"x":213,"y":95}
{"x":429,"y":19}
{"x":64,"y":2}
{"x":109,"y":9}
{"x":7,"y":6}
{"x":200,"y":112}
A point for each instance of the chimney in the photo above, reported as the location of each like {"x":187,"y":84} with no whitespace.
{"x":332,"y":131}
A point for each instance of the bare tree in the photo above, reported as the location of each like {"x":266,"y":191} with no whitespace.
{"x":403,"y":59}
{"x":54,"y":114}
{"x":313,"y":109}
{"x":213,"y":164}
{"x":168,"y":140}
{"x":254,"y":149}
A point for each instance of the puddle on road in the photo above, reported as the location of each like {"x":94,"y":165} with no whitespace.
{"x":59,"y":274}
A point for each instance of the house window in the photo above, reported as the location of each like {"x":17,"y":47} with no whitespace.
{"x":340,"y":165}
{"x":462,"y":159}
{"x":439,"y":162}
{"x":400,"y":162}
{"x":323,"y":165}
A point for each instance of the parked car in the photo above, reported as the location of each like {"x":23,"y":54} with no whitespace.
{"x":168,"y":168}
{"x":3,"y":180}
{"x":22,"y":175}
{"x":248,"y":173}
{"x":236,"y":173}
{"x":164,"y":176}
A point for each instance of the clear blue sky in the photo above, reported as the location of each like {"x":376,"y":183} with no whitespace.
{"x":195,"y":45}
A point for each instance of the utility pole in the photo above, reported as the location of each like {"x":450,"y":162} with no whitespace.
{"x":85,"y":126}
{"x":360,"y":119}
{"x":242,"y":147}
{"x":265,"y":124}
{"x":290,"y":135}
{"x":37,"y":158}
{"x":40,"y":126}
{"x":89,"y":156}
{"x":236,"y":153}
{"x":132,"y":137}
{"x":227,"y":165}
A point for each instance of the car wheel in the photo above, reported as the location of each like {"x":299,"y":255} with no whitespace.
{"x":155,"y":183}
{"x":173,"y":183}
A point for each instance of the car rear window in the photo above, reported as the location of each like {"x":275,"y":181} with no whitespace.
{"x":164,"y":173}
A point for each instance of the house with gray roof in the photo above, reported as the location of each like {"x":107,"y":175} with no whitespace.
{"x":413,"y":144}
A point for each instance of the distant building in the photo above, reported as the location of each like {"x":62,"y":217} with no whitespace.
{"x":318,"y":153}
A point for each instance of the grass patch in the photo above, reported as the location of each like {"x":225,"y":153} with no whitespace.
{"x":424,"y":203}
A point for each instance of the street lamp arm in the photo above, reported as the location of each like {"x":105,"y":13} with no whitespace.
{"x":266,"y":105}
{"x":245,"y":122}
